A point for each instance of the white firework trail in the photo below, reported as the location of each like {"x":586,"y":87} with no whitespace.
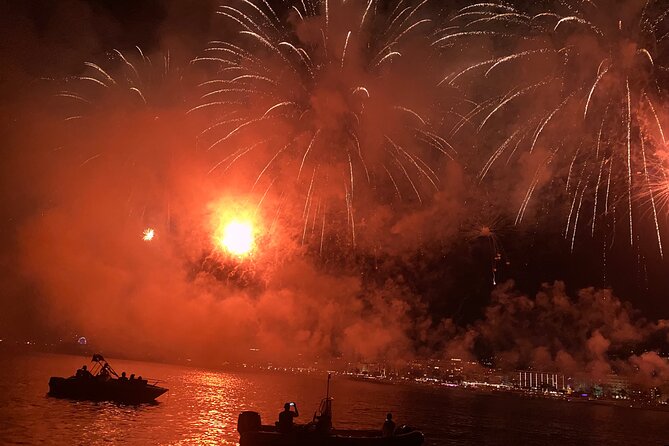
{"x":615,"y":85}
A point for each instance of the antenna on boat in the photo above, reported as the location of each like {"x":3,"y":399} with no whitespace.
{"x":327,"y":391}
{"x":323,"y":418}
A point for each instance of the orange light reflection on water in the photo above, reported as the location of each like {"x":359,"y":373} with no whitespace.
{"x":213,"y":406}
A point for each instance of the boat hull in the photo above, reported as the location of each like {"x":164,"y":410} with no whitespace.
{"x":92,"y":389}
{"x":266,"y":437}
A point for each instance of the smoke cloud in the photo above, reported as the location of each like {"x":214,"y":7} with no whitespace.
{"x":377,"y":236}
{"x":591,"y":334}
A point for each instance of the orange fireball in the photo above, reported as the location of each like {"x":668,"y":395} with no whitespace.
{"x":237,"y":237}
{"x":235,"y":228}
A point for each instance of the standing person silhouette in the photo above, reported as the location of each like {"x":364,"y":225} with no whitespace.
{"x":388,"y":429}
{"x":285,"y":423}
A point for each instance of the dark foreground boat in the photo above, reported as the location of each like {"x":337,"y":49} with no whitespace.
{"x":103,"y":384}
{"x":319,"y":432}
{"x":268,"y":436}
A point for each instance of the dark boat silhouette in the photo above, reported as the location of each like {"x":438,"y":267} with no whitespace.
{"x":102,"y":383}
{"x":319,"y":432}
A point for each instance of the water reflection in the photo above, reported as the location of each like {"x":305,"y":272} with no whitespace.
{"x":202,"y":407}
{"x":211,"y":402}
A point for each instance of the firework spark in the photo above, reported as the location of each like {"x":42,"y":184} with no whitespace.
{"x":128,"y":79}
{"x":127,"y":110}
{"x":658,"y":190}
{"x":590,"y":60}
{"x":321,"y":100}
{"x":490,"y":229}
{"x":148,"y":234}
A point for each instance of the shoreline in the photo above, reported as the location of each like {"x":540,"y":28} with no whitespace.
{"x":483,"y":388}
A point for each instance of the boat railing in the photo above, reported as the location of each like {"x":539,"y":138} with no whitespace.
{"x":153,"y":381}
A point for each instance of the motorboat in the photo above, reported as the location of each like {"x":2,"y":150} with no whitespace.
{"x":102,"y":383}
{"x":319,"y":432}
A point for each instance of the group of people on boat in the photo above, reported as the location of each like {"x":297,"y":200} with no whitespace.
{"x":323,"y":422}
{"x":105,"y":374}
{"x":83,"y":372}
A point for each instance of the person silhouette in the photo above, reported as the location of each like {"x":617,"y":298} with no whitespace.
{"x":83,"y":372}
{"x":123,"y":377}
{"x":103,"y":374}
{"x":388,"y":429}
{"x":285,"y":423}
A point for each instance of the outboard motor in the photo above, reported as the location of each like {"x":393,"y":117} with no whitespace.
{"x":404,"y":429}
{"x":410,"y":436}
{"x":248,"y":421}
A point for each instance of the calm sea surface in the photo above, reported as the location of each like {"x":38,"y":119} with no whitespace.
{"x":202,"y":407}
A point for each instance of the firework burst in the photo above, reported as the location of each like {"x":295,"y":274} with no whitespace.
{"x":125,"y":113}
{"x":656,"y":195}
{"x":148,"y":234}
{"x":128,"y":80}
{"x":583,"y":83}
{"x":322,"y":100}
{"x":489,"y":228}
{"x":238,"y":245}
